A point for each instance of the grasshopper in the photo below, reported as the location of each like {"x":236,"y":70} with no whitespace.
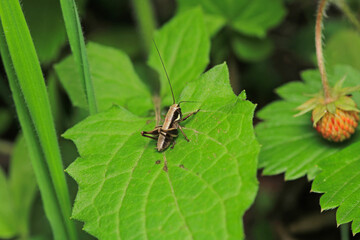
{"x":165,"y":134}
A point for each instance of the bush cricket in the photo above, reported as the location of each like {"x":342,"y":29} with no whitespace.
{"x":165,"y":134}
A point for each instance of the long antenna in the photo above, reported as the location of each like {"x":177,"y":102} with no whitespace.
{"x":165,"y":70}
{"x":188,"y":102}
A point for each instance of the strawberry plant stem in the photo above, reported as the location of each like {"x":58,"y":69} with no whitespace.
{"x":319,"y":49}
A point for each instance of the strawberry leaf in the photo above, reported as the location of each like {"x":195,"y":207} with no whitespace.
{"x":7,"y":218}
{"x":251,"y":18}
{"x":340,"y":181}
{"x":199,"y":189}
{"x":291,"y":144}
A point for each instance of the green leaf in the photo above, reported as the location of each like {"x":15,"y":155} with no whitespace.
{"x":291,"y":144}
{"x":343,"y":48}
{"x":340,"y":181}
{"x":208,"y":183}
{"x":46,"y":26}
{"x":214,"y":23}
{"x":23,"y":185}
{"x":114,"y":78}
{"x":7,"y":218}
{"x":17,"y":193}
{"x":184,"y":46}
{"x":252,"y":49}
{"x":251,"y":18}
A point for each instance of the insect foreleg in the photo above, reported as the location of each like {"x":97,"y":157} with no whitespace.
{"x":189,"y":115}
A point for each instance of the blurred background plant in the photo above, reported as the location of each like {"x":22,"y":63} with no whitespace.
{"x":265,"y":43}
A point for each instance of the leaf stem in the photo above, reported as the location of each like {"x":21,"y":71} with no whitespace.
{"x":146,"y":21}
{"x":319,"y":48}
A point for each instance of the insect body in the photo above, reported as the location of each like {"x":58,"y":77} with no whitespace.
{"x":165,"y":134}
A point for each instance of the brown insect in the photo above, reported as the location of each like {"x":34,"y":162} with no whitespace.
{"x":165,"y":134}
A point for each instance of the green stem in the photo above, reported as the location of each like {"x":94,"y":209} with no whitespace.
{"x":319,"y":48}
{"x":344,"y":231}
{"x":348,"y":13}
{"x":77,"y":44}
{"x":52,"y":209}
{"x":146,"y":21}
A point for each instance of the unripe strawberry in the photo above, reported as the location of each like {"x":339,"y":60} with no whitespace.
{"x":339,"y":126}
{"x":336,"y":116}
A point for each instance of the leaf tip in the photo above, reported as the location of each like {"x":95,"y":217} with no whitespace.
{"x":242,"y":95}
{"x":66,"y":134}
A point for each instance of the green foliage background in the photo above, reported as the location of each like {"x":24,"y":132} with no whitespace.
{"x":121,"y":187}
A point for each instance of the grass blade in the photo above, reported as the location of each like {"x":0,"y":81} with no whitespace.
{"x":77,"y":44}
{"x":33,"y":89}
{"x":37,"y":159}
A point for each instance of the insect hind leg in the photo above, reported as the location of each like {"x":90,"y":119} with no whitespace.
{"x":147,"y":134}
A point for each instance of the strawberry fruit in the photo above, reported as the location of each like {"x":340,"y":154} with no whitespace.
{"x":339,"y":126}
{"x":336,"y":117}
